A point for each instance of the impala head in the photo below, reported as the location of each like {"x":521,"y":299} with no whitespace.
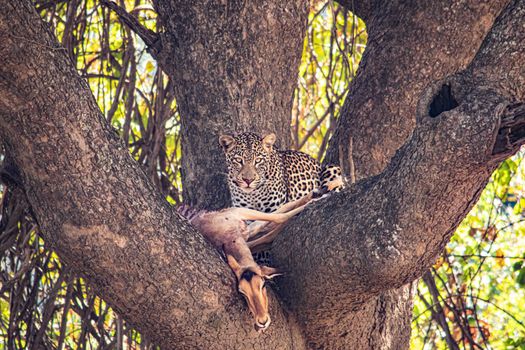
{"x":251,"y":283}
{"x":249,"y":158}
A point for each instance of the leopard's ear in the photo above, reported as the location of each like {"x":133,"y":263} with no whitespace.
{"x":268,"y":142}
{"x":227,"y":142}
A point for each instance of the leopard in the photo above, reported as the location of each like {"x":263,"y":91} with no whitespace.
{"x":263,"y":178}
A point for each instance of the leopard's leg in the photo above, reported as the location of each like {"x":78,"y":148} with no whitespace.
{"x":332,"y":179}
{"x":263,"y":257}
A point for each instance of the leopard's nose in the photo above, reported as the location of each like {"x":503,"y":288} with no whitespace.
{"x":248,"y":181}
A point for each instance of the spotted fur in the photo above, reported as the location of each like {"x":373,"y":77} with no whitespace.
{"x":332,"y":178}
{"x":263,"y":178}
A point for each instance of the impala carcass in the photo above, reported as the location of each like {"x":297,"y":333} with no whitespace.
{"x":227,"y":229}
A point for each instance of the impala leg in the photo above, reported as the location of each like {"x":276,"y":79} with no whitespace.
{"x":294,"y":204}
{"x":336,"y":183}
{"x":256,"y":227}
{"x":250,"y":214}
{"x":266,"y":239}
{"x":280,"y":218}
{"x":291,"y":213}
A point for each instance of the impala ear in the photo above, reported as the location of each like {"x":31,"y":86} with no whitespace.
{"x":234,"y":265}
{"x":270,"y":272}
{"x":268,"y":142}
{"x":227,"y":142}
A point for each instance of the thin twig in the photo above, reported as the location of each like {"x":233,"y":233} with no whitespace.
{"x":150,"y":38}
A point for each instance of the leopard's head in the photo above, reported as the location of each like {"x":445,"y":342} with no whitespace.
{"x":249,"y":158}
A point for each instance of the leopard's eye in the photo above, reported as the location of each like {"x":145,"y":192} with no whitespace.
{"x":238,"y":160}
{"x":258,"y":161}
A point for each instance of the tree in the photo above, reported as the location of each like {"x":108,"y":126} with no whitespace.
{"x":350,"y":275}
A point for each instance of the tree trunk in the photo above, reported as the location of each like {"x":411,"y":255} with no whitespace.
{"x":234,"y":67}
{"x":351,"y":256}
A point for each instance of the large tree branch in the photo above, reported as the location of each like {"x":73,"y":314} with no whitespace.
{"x":387,"y":230}
{"x":97,"y":209}
{"x":82,"y":201}
{"x":511,"y":133}
{"x":410,"y":45}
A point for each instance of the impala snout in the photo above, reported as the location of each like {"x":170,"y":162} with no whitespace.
{"x":261,"y":326}
{"x":251,"y":282}
{"x":251,"y":286}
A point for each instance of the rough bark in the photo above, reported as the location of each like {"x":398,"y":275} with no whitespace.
{"x":97,"y":209}
{"x":234,"y":66}
{"x":411,"y":44}
{"x":432,"y":182}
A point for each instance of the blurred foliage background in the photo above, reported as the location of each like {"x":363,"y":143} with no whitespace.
{"x":473,"y":297}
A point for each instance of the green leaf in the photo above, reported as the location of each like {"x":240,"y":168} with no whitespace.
{"x":521,"y":277}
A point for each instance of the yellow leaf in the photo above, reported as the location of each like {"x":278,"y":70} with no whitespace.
{"x":499,"y":258}
{"x":150,"y":66}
